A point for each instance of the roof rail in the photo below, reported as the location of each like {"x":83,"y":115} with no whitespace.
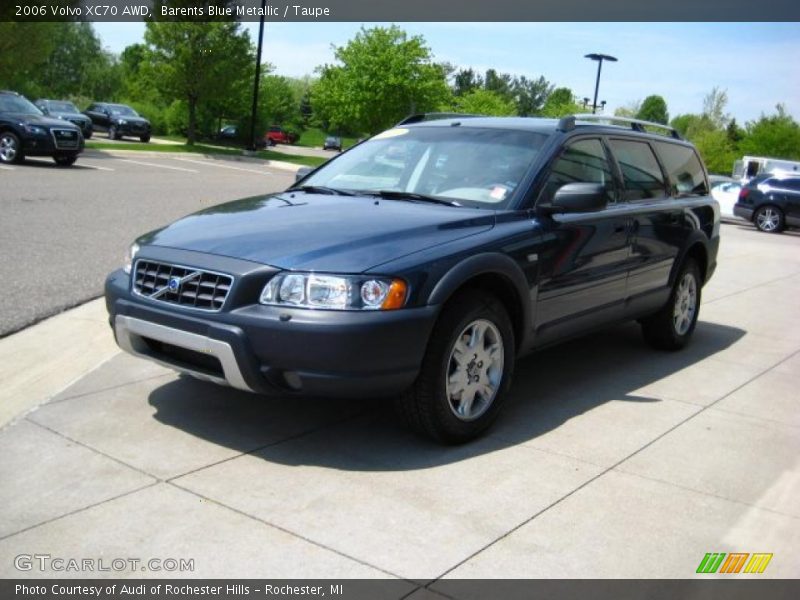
{"x":635,"y":124}
{"x":435,"y":116}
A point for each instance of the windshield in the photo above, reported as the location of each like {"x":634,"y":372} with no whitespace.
{"x":125,"y":111}
{"x":65,"y":107}
{"x":17,"y":104}
{"x":478,"y":167}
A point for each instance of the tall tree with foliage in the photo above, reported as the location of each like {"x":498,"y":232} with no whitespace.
{"x":530,"y":94}
{"x":485,"y":102}
{"x":466,"y":80}
{"x":654,"y":109}
{"x":561,"y":103}
{"x":199,"y":62}
{"x":776,"y":136}
{"x":23,"y":48}
{"x":382,"y":75}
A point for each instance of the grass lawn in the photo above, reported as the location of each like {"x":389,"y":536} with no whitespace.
{"x":313,"y":138}
{"x":311,"y":161}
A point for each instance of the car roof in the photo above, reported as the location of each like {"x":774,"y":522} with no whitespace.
{"x":539,"y":125}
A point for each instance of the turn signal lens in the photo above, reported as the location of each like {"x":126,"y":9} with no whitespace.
{"x":396,"y":296}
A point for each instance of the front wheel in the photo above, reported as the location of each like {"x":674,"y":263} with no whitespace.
{"x":144,"y":138}
{"x":672,"y":326}
{"x":769,"y":219}
{"x":465,"y":373}
{"x":10,"y":148}
{"x":65,"y":161}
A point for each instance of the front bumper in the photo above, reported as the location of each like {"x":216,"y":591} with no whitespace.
{"x":276,"y":350}
{"x":46,"y":146}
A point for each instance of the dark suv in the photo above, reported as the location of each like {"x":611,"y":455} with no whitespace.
{"x":422,"y":262}
{"x":118,"y":120}
{"x":771,"y":202}
{"x":25,"y":131}
{"x":67,"y":111}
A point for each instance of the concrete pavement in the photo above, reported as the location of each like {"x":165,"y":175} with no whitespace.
{"x":612,"y":460}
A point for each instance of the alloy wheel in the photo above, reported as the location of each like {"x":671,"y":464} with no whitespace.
{"x":475,"y":370}
{"x":685,"y":304}
{"x":8,"y":148}
{"x":768,"y":219}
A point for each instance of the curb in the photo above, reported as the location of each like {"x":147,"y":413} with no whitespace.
{"x":275,"y":164}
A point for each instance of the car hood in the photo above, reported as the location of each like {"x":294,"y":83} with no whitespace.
{"x":39,"y":120}
{"x":300,"y":231}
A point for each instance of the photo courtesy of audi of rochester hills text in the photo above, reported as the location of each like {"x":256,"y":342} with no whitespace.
{"x":415,"y":300}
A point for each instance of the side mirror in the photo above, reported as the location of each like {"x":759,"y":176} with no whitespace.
{"x":302,"y":172}
{"x":578,"y":198}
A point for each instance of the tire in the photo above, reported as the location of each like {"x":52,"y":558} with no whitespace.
{"x":65,"y":161}
{"x":435,"y":406}
{"x":769,"y":219}
{"x":112,"y":133}
{"x":87,"y":135}
{"x":672,"y":326}
{"x":144,"y":139}
{"x":10,"y":148}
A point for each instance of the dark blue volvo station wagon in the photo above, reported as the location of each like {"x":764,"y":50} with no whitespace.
{"x":422,"y":262}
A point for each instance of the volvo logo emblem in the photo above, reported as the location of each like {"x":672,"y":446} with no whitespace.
{"x":174,"y":284}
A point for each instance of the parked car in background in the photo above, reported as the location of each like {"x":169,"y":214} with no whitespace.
{"x":67,"y":111}
{"x":25,"y":131}
{"x":230,"y":135}
{"x":770,"y":202}
{"x":278,"y":135}
{"x":118,"y":120}
{"x":424,"y":276}
{"x":332,"y":142}
{"x":725,"y":190}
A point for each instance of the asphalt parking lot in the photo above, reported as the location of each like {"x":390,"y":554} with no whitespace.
{"x":612,"y":461}
{"x":63,"y":229}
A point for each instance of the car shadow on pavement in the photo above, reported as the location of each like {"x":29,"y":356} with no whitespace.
{"x":550,"y":387}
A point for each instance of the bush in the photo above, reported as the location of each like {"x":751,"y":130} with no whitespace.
{"x":176,"y":116}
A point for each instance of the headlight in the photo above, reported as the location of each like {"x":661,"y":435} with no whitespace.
{"x":133,"y":250}
{"x":122,"y":122}
{"x":334,"y":292}
{"x":34,"y":129}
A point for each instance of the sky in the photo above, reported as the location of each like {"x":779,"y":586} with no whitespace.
{"x":756,"y":63}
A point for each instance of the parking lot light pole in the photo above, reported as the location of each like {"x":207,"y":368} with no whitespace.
{"x":599,"y":58}
{"x":257,"y":77}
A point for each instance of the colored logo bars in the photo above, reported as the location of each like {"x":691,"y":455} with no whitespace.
{"x":716,"y":562}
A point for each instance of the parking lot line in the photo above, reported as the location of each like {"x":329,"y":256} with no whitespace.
{"x":213,"y":164}
{"x":97,"y":168}
{"x":146,"y":164}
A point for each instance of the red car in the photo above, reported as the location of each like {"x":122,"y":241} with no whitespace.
{"x":277,"y":135}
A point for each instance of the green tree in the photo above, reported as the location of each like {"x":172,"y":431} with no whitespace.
{"x":629,"y":110}
{"x":561,"y":103}
{"x":465,"y":81}
{"x":717,"y":150}
{"x":201,"y":63}
{"x":485,"y":102}
{"x":382,"y":76}
{"x":654,"y":109}
{"x":23,"y":48}
{"x":530,"y":94}
{"x":499,"y":83}
{"x":776,"y":136}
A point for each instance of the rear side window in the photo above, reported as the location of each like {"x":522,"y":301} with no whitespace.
{"x":583,"y":161}
{"x":684,"y":169}
{"x":792,"y":184}
{"x":640,"y":169}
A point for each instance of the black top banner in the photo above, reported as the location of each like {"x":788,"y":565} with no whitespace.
{"x":402,"y":10}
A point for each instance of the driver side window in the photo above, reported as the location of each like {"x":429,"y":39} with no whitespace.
{"x":583,"y":161}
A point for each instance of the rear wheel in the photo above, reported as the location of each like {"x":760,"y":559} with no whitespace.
{"x":769,"y":219}
{"x":65,"y":161}
{"x":672,"y":326}
{"x":145,"y":138}
{"x":10,"y":148}
{"x":466,"y":371}
{"x":113,"y":134}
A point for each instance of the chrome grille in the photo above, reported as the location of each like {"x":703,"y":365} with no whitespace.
{"x":65,"y":139}
{"x":186,"y":286}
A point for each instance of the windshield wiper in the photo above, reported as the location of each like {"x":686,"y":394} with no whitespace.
{"x":319,"y":189}
{"x":397,"y":195}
